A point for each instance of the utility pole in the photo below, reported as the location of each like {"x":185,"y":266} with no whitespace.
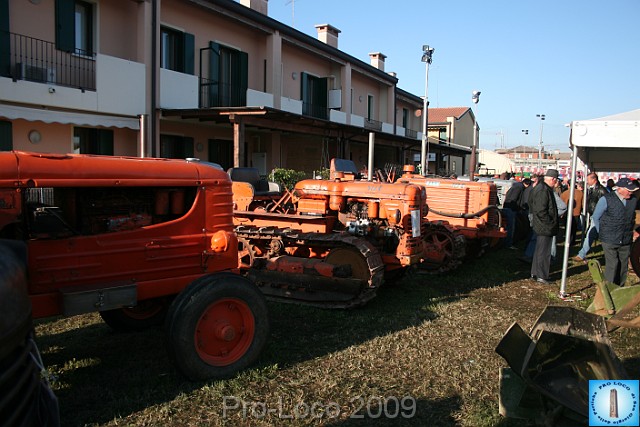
{"x":541,"y":117}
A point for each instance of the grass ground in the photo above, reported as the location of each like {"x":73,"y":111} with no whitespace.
{"x":421,"y":353}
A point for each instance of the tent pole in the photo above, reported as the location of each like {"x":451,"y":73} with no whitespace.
{"x":567,"y":235}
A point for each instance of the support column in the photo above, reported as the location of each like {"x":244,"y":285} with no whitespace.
{"x":273,"y":69}
{"x":238,"y":142}
{"x":345,"y":81}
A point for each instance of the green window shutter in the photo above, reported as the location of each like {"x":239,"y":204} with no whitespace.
{"x":189,"y":53}
{"x":5,"y":42}
{"x":304,"y":93}
{"x":243,"y":77}
{"x":65,"y":25}
{"x":105,"y":142}
{"x":6,"y":136}
{"x":214,"y":74}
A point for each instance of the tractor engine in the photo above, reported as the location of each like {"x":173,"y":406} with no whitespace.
{"x":387,"y":215}
{"x":357,"y":220}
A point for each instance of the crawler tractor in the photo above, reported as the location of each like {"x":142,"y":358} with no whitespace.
{"x":339,"y":237}
{"x":142,"y":241}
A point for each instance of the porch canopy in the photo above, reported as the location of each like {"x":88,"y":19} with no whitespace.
{"x":606,"y":144}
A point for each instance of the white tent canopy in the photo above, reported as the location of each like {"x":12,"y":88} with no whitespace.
{"x":607,"y":144}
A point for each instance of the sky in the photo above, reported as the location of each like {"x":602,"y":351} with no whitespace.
{"x":566,"y":59}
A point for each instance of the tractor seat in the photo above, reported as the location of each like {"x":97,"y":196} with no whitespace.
{"x":261,"y":186}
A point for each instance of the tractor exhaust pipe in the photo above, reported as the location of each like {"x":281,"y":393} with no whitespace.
{"x":372,"y":141}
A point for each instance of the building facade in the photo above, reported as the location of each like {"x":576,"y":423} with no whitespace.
{"x":213,"y":79}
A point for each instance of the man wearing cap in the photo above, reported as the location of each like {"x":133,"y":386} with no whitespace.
{"x":614,"y":218}
{"x":545,"y":223}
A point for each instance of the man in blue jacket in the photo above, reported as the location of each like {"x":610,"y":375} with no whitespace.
{"x":545,"y":223}
{"x":614,"y":218}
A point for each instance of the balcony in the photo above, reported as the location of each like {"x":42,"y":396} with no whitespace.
{"x":39,"y":61}
{"x":220,"y":94}
{"x":372,"y":124}
{"x":411,"y":133}
{"x":315,"y":110}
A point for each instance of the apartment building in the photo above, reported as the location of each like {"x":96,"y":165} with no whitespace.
{"x":213,"y":79}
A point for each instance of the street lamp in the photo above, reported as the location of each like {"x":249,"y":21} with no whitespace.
{"x":475,"y":98}
{"x":526,"y":133}
{"x":541,"y":117}
{"x":427,"y":53}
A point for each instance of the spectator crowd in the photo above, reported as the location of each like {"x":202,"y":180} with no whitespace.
{"x":536,"y":208}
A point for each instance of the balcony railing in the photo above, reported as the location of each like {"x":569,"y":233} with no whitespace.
{"x":218,"y":94}
{"x":39,"y":61}
{"x":409,"y":133}
{"x":314,"y":110}
{"x":372,"y":124}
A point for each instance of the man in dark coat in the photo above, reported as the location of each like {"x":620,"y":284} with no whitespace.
{"x":511,"y":209}
{"x":614,"y":218}
{"x":545,"y":223}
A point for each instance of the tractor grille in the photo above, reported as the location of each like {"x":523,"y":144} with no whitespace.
{"x":493,"y":214}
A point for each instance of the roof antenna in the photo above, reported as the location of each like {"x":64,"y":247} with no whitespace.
{"x":293,"y":12}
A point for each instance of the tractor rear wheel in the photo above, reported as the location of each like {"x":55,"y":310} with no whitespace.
{"x":445,"y":248}
{"x":146,"y":314}
{"x":217,"y":326}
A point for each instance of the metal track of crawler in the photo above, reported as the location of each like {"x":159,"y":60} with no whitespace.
{"x":295,"y":238}
{"x":458,"y":246}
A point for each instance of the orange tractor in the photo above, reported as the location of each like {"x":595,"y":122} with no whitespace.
{"x":463,"y":218}
{"x":383,"y":214}
{"x":142,"y":241}
{"x":330,"y":242}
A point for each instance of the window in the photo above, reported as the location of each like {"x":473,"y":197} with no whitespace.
{"x":93,"y":141}
{"x":370,"y":107}
{"x":177,"y":50}
{"x":176,"y":147}
{"x":84,"y":28}
{"x":228,"y":77}
{"x":405,"y":118}
{"x":314,"y":96}
{"x":443,"y":135}
{"x":75,"y":26}
{"x":221,"y":152}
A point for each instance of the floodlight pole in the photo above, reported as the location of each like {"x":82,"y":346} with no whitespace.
{"x":475,"y":97}
{"x":427,"y":53}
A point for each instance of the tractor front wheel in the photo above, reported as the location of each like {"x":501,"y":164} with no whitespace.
{"x":217,"y":326}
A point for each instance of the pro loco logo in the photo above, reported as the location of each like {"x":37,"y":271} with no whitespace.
{"x":613,"y":403}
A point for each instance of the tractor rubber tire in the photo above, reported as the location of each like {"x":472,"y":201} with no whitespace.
{"x":147,"y":314}
{"x":217,"y":326}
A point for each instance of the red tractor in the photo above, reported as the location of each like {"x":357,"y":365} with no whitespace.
{"x":142,"y":241}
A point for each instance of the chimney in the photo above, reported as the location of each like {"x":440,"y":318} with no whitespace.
{"x":377,"y":60}
{"x":328,"y":34}
{"x":261,"y":6}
